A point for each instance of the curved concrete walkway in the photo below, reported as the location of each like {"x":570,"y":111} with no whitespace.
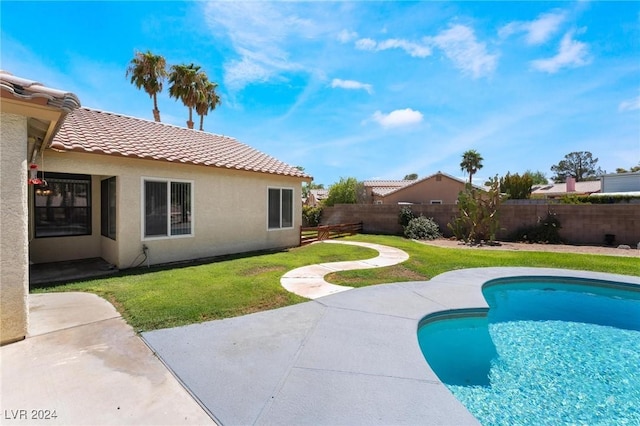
{"x":308,"y":281}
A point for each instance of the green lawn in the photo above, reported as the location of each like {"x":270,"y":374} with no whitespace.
{"x":161,"y":298}
{"x":427,"y":261}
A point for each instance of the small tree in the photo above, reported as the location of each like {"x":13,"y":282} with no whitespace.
{"x":411,"y":176}
{"x":477,"y":218}
{"x":346,"y":191}
{"x":581,"y":165}
{"x":537,"y":177}
{"x":516,"y":187}
{"x":631,"y":170}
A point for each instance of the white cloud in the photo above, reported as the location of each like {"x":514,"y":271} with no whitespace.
{"x":537,"y":31}
{"x":351,"y":85}
{"x":260,"y":33}
{"x":415,"y":50}
{"x":460,"y":45}
{"x":572,"y":53}
{"x":630,"y":105}
{"x":398,"y":118}
{"x":346,"y":36}
{"x":366,"y":44}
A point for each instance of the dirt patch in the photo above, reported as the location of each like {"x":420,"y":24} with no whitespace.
{"x":560,"y":248}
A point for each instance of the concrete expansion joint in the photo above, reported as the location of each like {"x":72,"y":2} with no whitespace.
{"x":361,"y":373}
{"x":84,"y":324}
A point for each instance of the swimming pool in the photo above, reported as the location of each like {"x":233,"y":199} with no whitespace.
{"x":547,"y":351}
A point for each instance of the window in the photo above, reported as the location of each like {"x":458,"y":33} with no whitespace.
{"x":108,"y":208}
{"x":167,"y":208}
{"x":63,"y":207}
{"x":436,"y":201}
{"x":280,"y":208}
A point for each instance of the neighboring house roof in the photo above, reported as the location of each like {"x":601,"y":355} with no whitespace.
{"x":383,"y":187}
{"x":319,"y":194}
{"x":100,"y":132}
{"x":586,"y":187}
{"x":417,"y":181}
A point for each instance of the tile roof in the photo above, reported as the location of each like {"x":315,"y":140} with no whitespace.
{"x":584,"y":187}
{"x":100,"y":132}
{"x":387,"y":183}
{"x":32,"y":90}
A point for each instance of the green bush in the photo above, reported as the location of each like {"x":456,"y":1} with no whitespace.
{"x":597,"y":199}
{"x":405,"y":216}
{"x":422,"y":228}
{"x":545,"y":231}
{"x":311,"y":215}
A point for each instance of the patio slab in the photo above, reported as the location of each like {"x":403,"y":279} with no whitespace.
{"x":84,"y":365}
{"x":350,"y":358}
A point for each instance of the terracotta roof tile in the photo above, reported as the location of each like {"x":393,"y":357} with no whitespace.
{"x":95,"y":131}
{"x":29,"y":89}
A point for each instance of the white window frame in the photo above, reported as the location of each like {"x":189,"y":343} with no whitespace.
{"x":293,"y":209}
{"x":168,"y":182}
{"x":435,"y":202}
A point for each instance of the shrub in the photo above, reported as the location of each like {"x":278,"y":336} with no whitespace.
{"x":422,"y":228}
{"x":405,"y":216}
{"x":311,"y":215}
{"x":545,"y":231}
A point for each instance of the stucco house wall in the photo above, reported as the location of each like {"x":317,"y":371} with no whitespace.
{"x":229,"y":211}
{"x":14,"y":270}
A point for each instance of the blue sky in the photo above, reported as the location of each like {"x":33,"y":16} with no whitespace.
{"x":371,"y":90}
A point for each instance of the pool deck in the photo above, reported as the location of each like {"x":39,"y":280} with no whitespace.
{"x":349,"y":358}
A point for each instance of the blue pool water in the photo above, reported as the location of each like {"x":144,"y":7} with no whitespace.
{"x":546,"y":352}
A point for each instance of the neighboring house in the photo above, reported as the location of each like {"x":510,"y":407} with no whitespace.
{"x":316,"y":196}
{"x":570,"y":187}
{"x":376,"y":189}
{"x":439,"y":188}
{"x":620,"y":183}
{"x":126,"y":189}
{"x":30,"y":115}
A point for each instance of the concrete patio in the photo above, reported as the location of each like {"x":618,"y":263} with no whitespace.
{"x":349,"y":358}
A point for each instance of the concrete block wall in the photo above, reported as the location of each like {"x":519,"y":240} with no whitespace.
{"x":580,"y":224}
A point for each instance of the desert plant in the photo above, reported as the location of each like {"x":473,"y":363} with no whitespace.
{"x":545,"y":231}
{"x":422,"y":228}
{"x":477,"y":219}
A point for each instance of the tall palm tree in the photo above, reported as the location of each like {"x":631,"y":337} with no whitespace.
{"x":148,"y":71}
{"x":186,"y":85}
{"x":471,"y":162}
{"x":208,"y":99}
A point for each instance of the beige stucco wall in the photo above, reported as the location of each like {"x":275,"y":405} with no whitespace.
{"x":229,"y":211}
{"x":14,"y":273}
{"x":423,"y":192}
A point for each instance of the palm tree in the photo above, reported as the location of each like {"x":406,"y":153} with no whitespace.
{"x":186,"y":84}
{"x":471,"y":162}
{"x":208,"y":99}
{"x":148,"y":71}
